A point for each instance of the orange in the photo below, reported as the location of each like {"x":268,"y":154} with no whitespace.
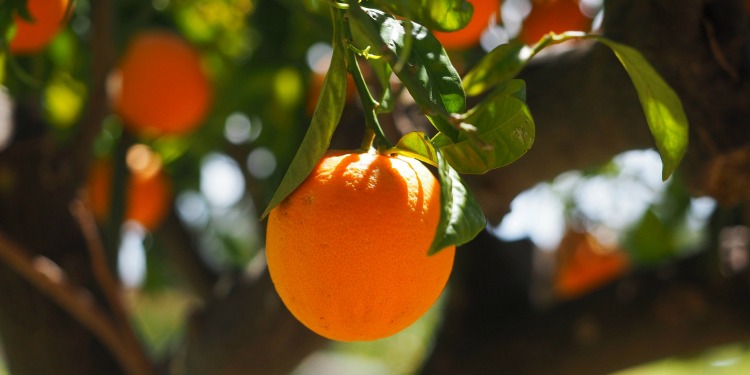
{"x":148,"y":190}
{"x":553,"y":16}
{"x":584,"y":264}
{"x":484,"y":11}
{"x":347,"y":250}
{"x":160,"y":86}
{"x":48,"y":18}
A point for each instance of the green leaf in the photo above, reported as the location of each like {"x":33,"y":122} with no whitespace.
{"x":420,"y":62}
{"x":664,"y":113}
{"x":318,"y":137}
{"x":22,"y":7}
{"x":441,"y":140}
{"x":416,"y":145}
{"x":662,"y":107}
{"x":379,"y":66}
{"x":504,"y":132}
{"x":443,"y":15}
{"x":383,"y":73}
{"x":8,"y":10}
{"x":461,"y":218}
{"x":497,"y":67}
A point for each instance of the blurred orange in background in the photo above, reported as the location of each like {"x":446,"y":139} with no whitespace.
{"x":160,"y":86}
{"x":555,"y":16}
{"x":49,"y":16}
{"x":148,"y":189}
{"x":584,"y":264}
{"x":484,"y":12}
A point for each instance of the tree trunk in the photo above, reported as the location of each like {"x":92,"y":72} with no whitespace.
{"x":39,"y":337}
{"x":492,"y":326}
{"x":248,"y":330}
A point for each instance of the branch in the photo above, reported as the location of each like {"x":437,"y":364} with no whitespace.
{"x":102,"y":17}
{"x":81,"y":208}
{"x":51,"y":281}
{"x":248,"y":328}
{"x":491,"y":326}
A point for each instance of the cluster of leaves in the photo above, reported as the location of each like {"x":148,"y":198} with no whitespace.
{"x":394,"y":37}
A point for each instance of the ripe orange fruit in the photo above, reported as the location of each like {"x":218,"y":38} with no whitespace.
{"x":148,"y":190}
{"x":469,"y":36}
{"x":347,"y":250}
{"x":160,"y":86}
{"x":48,"y":18}
{"x":553,"y":16}
{"x":584,"y":264}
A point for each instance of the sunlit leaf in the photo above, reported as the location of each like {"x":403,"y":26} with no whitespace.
{"x":662,"y":107}
{"x":443,"y":15}
{"x":418,"y":146}
{"x":420,"y":62}
{"x":318,"y":137}
{"x":497,"y":67}
{"x":664,"y":113}
{"x":461,"y":218}
{"x":504,"y":131}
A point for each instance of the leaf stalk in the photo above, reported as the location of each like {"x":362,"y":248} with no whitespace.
{"x":369,"y":104}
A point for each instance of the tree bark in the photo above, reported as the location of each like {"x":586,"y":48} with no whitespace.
{"x":492,"y":326}
{"x":38,"y":336}
{"x":39,"y":181}
{"x":247,"y":330}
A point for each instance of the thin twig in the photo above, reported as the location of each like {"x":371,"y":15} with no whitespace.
{"x":81,"y":208}
{"x":51,"y":281}
{"x":717,"y":53}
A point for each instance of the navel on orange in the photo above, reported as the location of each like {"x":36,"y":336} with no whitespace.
{"x":347,"y":250}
